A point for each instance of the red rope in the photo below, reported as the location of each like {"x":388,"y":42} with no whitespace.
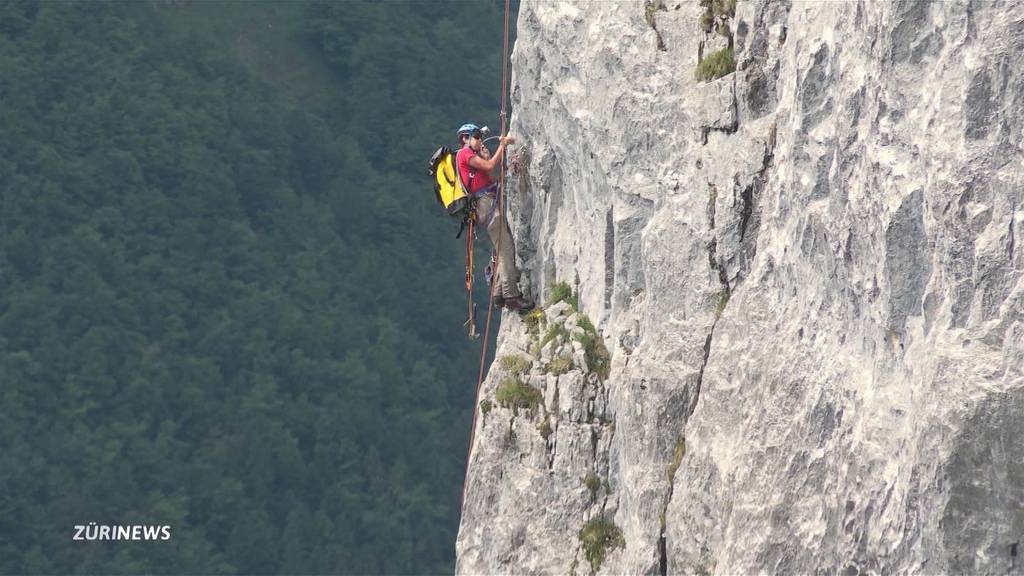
{"x":497,"y":248}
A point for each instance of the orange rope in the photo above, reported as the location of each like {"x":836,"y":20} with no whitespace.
{"x":494,"y":273}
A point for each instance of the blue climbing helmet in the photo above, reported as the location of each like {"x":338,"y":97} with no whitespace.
{"x":470,"y":128}
{"x":467,"y":128}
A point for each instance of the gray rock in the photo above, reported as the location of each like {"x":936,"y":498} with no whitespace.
{"x":579,"y":360}
{"x":577,"y":347}
{"x":551,"y":393}
{"x":558,"y":312}
{"x":570,"y":389}
{"x":807,"y":273}
{"x":570,"y":322}
{"x":538,"y":381}
{"x":547,"y":351}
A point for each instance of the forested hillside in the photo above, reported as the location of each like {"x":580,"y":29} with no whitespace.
{"x":228,"y":302}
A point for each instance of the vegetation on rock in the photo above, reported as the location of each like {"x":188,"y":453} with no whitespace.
{"x":515,"y":364}
{"x":593,"y":483}
{"x":559,"y":365}
{"x":716,"y":65}
{"x":555,"y":331}
{"x":598,"y":537}
{"x":596,"y":353}
{"x":513,"y":393}
{"x":562,"y":292}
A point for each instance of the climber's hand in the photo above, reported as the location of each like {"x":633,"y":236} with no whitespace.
{"x":506,"y":140}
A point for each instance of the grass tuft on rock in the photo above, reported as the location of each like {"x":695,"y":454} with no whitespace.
{"x":716,"y":17}
{"x":716,"y":65}
{"x":559,"y":366}
{"x":583,"y":321}
{"x":677,"y":458}
{"x":723,"y":299}
{"x":562,"y":292}
{"x":598,"y":359}
{"x":593,"y":483}
{"x":545,"y":429}
{"x":598,"y":537}
{"x":534,"y":348}
{"x":515,"y":364}
{"x":534,"y":320}
{"x":554,"y":331}
{"x":515,"y":394}
{"x":485,"y":406}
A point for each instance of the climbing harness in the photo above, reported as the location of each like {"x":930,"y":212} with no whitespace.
{"x":494,"y":258}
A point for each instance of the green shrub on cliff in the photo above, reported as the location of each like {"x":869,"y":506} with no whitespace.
{"x":515,"y":394}
{"x":598,"y":537}
{"x":716,"y":65}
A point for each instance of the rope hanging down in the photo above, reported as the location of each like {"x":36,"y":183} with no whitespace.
{"x":501,"y":234}
{"x":470,"y":306}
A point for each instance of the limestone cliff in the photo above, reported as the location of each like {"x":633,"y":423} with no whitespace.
{"x":807,"y":275}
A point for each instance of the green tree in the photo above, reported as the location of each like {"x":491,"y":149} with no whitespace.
{"x":230,"y":302}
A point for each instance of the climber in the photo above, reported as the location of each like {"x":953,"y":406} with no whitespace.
{"x":476,"y":166}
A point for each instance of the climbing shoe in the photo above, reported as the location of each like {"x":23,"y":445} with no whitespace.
{"x":519,"y":304}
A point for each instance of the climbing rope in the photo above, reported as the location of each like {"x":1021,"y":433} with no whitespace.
{"x":470,"y":306}
{"x":490,"y":291}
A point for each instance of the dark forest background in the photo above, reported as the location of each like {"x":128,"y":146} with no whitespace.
{"x":229,"y":302}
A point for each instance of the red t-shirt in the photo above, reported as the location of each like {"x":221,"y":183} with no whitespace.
{"x":473,"y":180}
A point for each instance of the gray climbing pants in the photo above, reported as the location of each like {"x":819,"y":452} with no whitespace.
{"x":506,"y":278}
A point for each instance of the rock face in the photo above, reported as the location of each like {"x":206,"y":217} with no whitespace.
{"x":807,"y":274}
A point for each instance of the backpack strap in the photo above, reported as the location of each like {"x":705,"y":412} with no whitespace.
{"x":472,"y":174}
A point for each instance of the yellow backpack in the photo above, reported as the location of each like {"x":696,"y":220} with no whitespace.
{"x":450,"y":190}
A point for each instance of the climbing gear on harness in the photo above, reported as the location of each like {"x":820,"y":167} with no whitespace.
{"x":470,"y":322}
{"x":470,"y":223}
